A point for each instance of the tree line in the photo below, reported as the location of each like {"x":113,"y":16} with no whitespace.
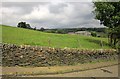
{"x":27,"y":26}
{"x":61,"y":30}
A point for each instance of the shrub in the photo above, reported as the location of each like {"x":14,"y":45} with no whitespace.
{"x":94,"y":34}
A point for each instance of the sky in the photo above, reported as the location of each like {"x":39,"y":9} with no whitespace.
{"x":49,"y":14}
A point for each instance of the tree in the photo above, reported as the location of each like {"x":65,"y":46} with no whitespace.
{"x":28,"y":26}
{"x":23,"y":25}
{"x":109,"y":15}
{"x":42,"y":29}
{"x":94,"y":34}
{"x":34,"y":28}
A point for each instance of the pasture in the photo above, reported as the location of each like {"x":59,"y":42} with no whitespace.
{"x":22,"y":36}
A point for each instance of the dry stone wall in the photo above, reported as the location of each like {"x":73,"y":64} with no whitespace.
{"x":13,"y":55}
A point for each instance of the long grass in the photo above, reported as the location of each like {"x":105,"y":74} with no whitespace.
{"x":22,"y":36}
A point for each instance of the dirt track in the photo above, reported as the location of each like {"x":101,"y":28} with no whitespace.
{"x":111,"y":71}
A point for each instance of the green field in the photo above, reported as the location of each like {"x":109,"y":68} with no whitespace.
{"x":22,"y":36}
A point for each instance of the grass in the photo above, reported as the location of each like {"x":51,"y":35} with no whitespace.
{"x":55,"y":69}
{"x":22,"y":36}
{"x":0,"y":34}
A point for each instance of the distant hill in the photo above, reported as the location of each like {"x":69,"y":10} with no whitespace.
{"x":22,"y":36}
{"x":102,"y":29}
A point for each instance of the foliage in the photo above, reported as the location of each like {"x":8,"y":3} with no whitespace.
{"x":94,"y":34}
{"x":67,"y":30}
{"x":23,"y":25}
{"x":109,"y":15}
{"x":42,"y":29}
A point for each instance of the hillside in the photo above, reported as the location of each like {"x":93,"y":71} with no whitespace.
{"x":22,"y":36}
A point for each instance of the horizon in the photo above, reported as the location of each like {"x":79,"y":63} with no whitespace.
{"x":58,"y":28}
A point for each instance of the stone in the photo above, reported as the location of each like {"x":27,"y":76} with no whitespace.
{"x":47,"y":56}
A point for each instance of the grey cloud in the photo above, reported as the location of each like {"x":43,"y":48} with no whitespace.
{"x":26,"y":7}
{"x":23,"y":4}
{"x":48,"y":0}
{"x":57,"y":8}
{"x":49,"y":15}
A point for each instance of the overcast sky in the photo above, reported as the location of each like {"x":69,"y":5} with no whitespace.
{"x":49,"y":14}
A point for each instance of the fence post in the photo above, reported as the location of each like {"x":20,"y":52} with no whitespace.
{"x":49,"y":42}
{"x":101,"y":43}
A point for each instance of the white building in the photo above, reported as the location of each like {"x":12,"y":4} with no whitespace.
{"x":86,"y":33}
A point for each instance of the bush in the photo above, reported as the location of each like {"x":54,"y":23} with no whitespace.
{"x":94,"y":34}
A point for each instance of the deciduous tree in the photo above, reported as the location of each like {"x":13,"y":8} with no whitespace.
{"x":109,"y":15}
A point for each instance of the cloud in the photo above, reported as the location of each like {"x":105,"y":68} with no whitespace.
{"x":57,"y":8}
{"x":50,"y":14}
{"x":48,"y":0}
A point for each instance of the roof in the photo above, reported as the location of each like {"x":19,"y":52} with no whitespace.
{"x":82,"y":32}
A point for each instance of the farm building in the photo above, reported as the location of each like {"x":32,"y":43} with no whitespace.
{"x":72,"y":33}
{"x":86,"y":33}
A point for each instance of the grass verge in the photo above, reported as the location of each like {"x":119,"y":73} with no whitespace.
{"x":19,"y":71}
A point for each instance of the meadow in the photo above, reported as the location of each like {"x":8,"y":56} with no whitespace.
{"x":21,"y":36}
